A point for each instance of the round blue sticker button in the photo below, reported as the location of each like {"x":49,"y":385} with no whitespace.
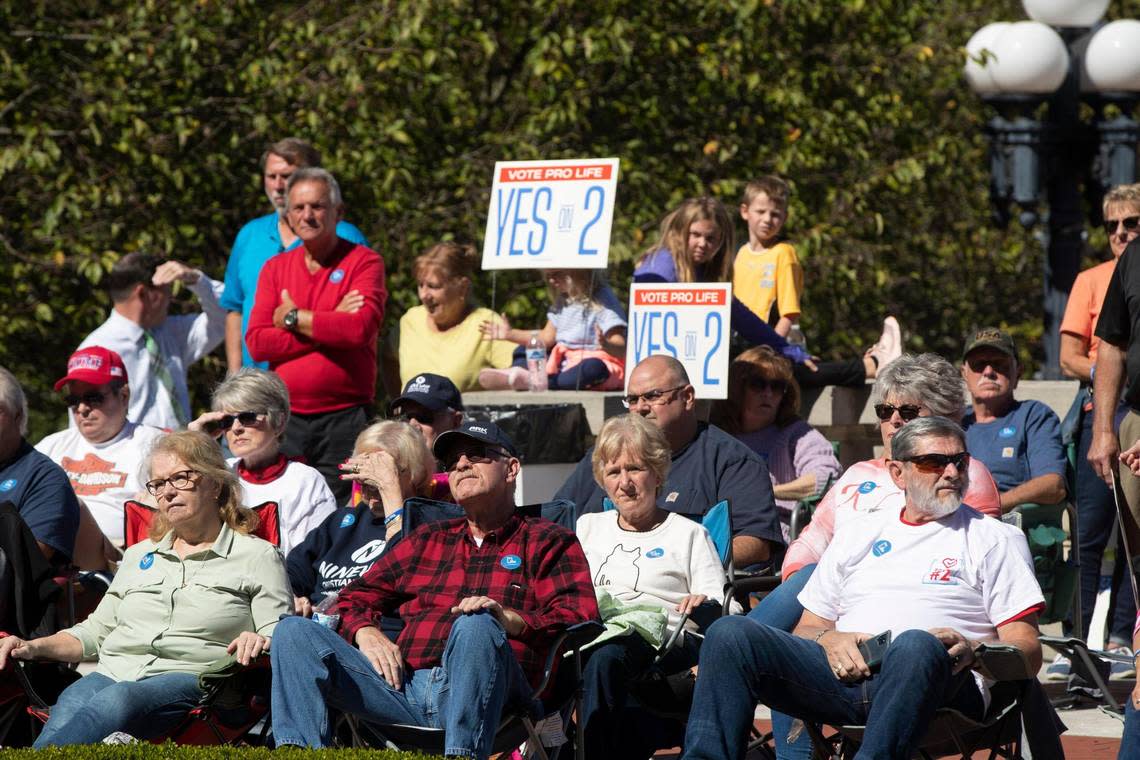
{"x":511,"y":562}
{"x":8,"y":484}
{"x":348,"y":520}
{"x":655,"y":553}
{"x":1008,"y":431}
{"x":881,"y":547}
{"x":146,"y":561}
{"x":336,"y":276}
{"x":867,"y":486}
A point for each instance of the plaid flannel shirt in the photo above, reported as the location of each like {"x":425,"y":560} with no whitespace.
{"x":530,"y":566}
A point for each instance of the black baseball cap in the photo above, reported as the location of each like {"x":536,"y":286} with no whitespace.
{"x":475,"y":430}
{"x":435,"y":392}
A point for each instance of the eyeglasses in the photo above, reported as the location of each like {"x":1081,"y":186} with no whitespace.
{"x":181,"y":480}
{"x":1130,"y":223}
{"x":425,"y":417}
{"x":653,"y":397}
{"x":247,"y":419}
{"x":762,"y":384}
{"x":1001,"y":366}
{"x":907,"y":411}
{"x":936,"y":463}
{"x":92,"y":399}
{"x":477,"y":453}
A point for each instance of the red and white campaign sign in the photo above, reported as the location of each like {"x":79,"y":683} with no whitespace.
{"x":688,"y":321}
{"x":551,"y":214}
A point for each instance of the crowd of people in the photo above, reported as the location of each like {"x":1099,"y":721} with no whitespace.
{"x":406,"y":587}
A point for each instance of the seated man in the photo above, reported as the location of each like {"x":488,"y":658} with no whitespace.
{"x":482,"y":598}
{"x":31,"y":481}
{"x":939,"y":576}
{"x":1019,"y":441}
{"x":103,"y":453}
{"x":708,"y":464}
{"x":432,"y":405}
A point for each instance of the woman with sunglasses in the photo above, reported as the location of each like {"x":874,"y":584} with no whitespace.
{"x":762,"y":410}
{"x":251,"y":409}
{"x":911,"y":386}
{"x":693,"y":247}
{"x":200,"y":588}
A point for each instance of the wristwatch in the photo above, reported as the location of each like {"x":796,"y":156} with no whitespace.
{"x":291,"y":319}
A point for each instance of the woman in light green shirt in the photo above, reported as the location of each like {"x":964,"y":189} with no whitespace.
{"x":199,"y":589}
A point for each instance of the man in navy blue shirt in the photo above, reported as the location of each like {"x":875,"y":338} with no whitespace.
{"x":1019,"y":441}
{"x":36,"y":485}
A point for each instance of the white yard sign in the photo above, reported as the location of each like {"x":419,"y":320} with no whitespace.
{"x":689,"y":322}
{"x":551,"y":214}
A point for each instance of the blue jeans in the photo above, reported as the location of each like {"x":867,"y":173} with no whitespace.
{"x":743,"y":663}
{"x":1130,"y":741}
{"x":95,"y":706}
{"x":782,"y":609}
{"x":315,"y":669}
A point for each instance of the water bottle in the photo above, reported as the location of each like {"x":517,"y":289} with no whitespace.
{"x":796,"y":337}
{"x":536,"y":362}
{"x":322,"y":612}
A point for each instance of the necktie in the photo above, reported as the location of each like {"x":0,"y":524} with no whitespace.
{"x":162,"y":372}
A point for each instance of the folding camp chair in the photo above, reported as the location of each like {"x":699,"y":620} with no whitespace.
{"x":137,"y":518}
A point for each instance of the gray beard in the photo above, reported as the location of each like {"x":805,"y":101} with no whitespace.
{"x":926,"y":501}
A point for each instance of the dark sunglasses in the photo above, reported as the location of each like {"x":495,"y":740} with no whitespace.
{"x":762,"y":384}
{"x":1001,"y":366}
{"x":908,"y":412}
{"x":424,"y":417}
{"x":477,"y":453}
{"x":932,"y":463}
{"x":247,"y":419}
{"x":92,"y":399}
{"x":1130,"y":223}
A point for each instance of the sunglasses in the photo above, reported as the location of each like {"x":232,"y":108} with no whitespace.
{"x":92,"y":399}
{"x":181,"y":480}
{"x":1130,"y":223}
{"x":653,"y":397}
{"x":478,"y":453}
{"x":908,"y":412}
{"x":247,"y":419}
{"x":936,"y":463}
{"x":424,"y":417}
{"x":762,"y":384}
{"x":1001,"y":366}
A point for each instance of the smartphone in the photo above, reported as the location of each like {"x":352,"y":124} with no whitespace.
{"x":874,"y":648}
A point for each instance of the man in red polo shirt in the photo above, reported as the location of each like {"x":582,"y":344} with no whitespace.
{"x":315,"y":319}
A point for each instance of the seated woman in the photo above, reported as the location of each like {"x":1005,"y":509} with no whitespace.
{"x":251,"y":408}
{"x":639,"y":554}
{"x":762,"y":411}
{"x":443,"y":334}
{"x":391,"y":463}
{"x":200,"y":588}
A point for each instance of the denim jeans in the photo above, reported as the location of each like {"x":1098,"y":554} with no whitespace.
{"x":315,"y":669}
{"x":95,"y":706}
{"x":782,"y":609}
{"x":1130,"y":741}
{"x":743,"y":663}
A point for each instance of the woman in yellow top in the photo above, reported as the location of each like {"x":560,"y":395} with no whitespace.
{"x":200,"y":588}
{"x":442,"y":335}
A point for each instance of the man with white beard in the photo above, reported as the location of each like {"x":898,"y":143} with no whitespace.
{"x":939,"y":576}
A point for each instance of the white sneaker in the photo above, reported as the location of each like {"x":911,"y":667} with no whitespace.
{"x":120,"y":737}
{"x":1059,"y":669}
{"x":1122,"y":671}
{"x":889,"y":346}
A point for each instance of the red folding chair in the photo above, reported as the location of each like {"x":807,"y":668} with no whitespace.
{"x":137,"y":518}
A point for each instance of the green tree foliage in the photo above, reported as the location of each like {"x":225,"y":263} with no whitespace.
{"x":128,"y":125}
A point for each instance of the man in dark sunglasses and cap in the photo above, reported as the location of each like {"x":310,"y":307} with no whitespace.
{"x":482,"y":598}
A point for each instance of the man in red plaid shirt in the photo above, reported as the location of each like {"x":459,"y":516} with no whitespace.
{"x":482,"y":598}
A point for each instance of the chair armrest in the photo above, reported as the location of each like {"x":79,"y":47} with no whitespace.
{"x":1002,"y":662}
{"x":570,"y":640}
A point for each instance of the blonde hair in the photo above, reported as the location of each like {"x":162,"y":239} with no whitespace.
{"x":637,"y":437}
{"x":675,"y":239}
{"x":202,"y":454}
{"x":1125,"y":194}
{"x":775,"y":188}
{"x":453,"y":260}
{"x":407,"y":447}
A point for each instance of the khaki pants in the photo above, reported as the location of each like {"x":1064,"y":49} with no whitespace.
{"x":1130,"y":484}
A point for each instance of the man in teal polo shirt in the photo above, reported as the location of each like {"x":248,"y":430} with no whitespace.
{"x":263,"y":238}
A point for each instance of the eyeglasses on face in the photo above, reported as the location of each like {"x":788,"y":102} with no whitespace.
{"x":1002,"y":365}
{"x":1130,"y":224}
{"x":476,"y":453}
{"x":908,"y":412}
{"x":247,"y":419}
{"x":653,"y":397}
{"x":936,"y":463}
{"x":423,"y":416}
{"x":181,"y":481}
{"x":763,"y":384}
{"x":92,"y":399}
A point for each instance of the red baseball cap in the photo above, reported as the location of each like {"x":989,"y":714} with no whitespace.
{"x":95,"y":365}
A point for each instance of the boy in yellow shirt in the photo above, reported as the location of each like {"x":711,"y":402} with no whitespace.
{"x":766,"y":271}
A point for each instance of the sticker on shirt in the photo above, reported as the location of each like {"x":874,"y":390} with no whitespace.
{"x":655,"y":553}
{"x":146,"y":561}
{"x":8,"y":484}
{"x":336,"y":276}
{"x":880,"y":547}
{"x":511,"y":562}
{"x":942,"y":572}
{"x":867,"y":486}
{"x":348,"y":520}
{"x":1007,"y":452}
{"x":1007,"y":432}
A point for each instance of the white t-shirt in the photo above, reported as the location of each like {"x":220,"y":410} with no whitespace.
{"x":965,"y":572}
{"x":103,"y":475}
{"x":660,"y":566}
{"x":302,"y":496}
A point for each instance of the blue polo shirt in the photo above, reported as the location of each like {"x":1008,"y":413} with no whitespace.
{"x":1023,"y":444}
{"x":42,"y":494}
{"x":256,"y":243}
